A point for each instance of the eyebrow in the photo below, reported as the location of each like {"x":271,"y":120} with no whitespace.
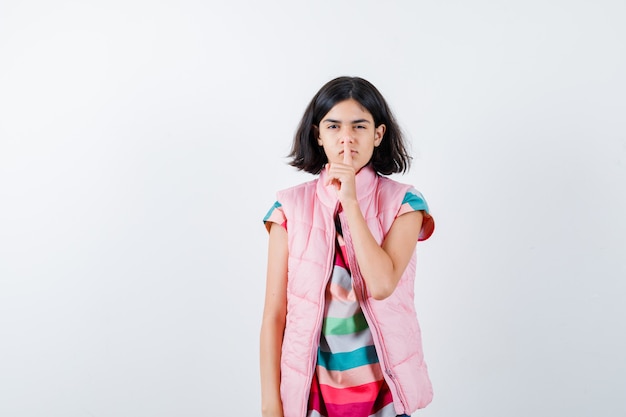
{"x":339,"y":121}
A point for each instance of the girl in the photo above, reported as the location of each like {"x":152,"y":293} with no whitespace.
{"x":339,"y":335}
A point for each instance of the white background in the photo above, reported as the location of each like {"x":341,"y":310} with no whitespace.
{"x":142,"y":142}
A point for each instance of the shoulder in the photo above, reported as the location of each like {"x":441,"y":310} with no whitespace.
{"x":297,"y":191}
{"x":405,"y":198}
{"x":388,"y":183}
{"x":415,"y":200}
{"x":407,"y":192}
{"x":392,"y":190}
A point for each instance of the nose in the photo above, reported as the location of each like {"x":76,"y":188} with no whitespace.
{"x":346,"y":136}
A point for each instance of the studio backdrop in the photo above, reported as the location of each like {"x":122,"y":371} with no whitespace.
{"x":142,"y":142}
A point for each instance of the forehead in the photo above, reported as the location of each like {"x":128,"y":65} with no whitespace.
{"x":347,"y":110}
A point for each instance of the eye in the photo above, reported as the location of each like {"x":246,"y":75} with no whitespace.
{"x":361,"y":127}
{"x":332,"y":127}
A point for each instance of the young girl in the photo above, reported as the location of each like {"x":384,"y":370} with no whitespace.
{"x":340,"y":335}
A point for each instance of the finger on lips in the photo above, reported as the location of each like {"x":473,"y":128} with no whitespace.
{"x":347,"y":153}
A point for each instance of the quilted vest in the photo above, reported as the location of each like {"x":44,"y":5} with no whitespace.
{"x":310,"y":209}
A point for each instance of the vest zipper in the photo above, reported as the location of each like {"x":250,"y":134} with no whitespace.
{"x":360,"y":290}
{"x":318,"y":330}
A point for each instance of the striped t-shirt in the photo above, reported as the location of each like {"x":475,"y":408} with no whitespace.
{"x":348,"y":381}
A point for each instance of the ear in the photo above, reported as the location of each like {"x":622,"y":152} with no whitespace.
{"x":379,"y":133}
{"x":316,"y":134}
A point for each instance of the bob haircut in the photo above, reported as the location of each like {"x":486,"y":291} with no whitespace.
{"x":388,"y":158}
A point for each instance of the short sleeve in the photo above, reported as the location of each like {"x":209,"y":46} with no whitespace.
{"x":275,"y":215}
{"x":414,"y":201}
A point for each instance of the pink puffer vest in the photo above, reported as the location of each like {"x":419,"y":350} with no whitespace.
{"x":310,"y":209}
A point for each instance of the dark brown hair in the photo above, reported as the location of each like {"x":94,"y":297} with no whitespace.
{"x":388,"y":158}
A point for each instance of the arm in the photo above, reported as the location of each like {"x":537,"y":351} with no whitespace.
{"x":273,"y":325}
{"x":382,"y":267}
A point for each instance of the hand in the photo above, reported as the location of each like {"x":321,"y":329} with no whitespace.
{"x":342,"y":176}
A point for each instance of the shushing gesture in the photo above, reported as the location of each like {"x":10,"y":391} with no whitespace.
{"x":342,"y":175}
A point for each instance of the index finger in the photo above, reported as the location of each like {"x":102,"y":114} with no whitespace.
{"x":347,"y":153}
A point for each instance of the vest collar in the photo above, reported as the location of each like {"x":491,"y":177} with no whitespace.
{"x":366,"y":180}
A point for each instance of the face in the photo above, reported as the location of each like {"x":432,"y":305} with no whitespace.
{"x":349,"y":122}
